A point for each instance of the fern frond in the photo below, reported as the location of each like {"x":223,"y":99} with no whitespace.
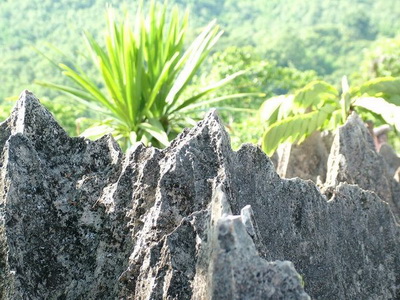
{"x":335,"y":120}
{"x":387,"y":87}
{"x":315,"y":94}
{"x":295,"y":128}
{"x":275,"y":109}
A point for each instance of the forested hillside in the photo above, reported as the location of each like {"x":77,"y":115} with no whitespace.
{"x":332,"y":38}
{"x":326,"y":36}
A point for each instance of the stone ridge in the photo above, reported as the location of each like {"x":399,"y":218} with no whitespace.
{"x":81,"y":220}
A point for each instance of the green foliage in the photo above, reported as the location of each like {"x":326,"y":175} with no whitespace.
{"x":381,"y":97}
{"x":329,"y":42}
{"x":44,"y":21}
{"x":262,"y":79}
{"x":5,"y":110}
{"x":327,"y":49}
{"x":317,"y":106}
{"x":388,"y":111}
{"x":262,"y":76}
{"x":144,"y":72}
{"x":310,"y":35}
{"x":295,"y":128}
{"x":384,"y":87}
{"x":382,"y":59}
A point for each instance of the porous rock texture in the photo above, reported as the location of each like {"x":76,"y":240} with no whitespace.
{"x":307,"y":160}
{"x":355,"y":161}
{"x":81,"y":220}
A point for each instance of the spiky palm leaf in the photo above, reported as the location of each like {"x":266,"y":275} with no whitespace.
{"x":144,"y":71}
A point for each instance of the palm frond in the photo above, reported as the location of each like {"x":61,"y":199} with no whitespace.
{"x":143,"y":72}
{"x":295,"y":128}
{"x":386,"y":87}
{"x":275,"y":109}
{"x":315,"y":94}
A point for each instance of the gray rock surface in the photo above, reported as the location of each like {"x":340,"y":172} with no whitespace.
{"x":230,"y":242}
{"x":81,"y":220}
{"x":353,"y":159}
{"x":391,"y":159}
{"x":307,"y":160}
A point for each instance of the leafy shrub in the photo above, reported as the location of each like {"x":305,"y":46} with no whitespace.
{"x":143,"y":73}
{"x":382,"y":59}
{"x":320,"y":106}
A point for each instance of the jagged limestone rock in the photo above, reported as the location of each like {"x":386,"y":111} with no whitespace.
{"x":253,"y":277}
{"x":59,"y":245}
{"x":353,"y":159}
{"x":391,"y":159}
{"x":307,"y":160}
{"x":298,"y":224}
{"x":81,"y":220}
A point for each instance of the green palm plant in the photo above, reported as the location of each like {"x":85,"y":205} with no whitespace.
{"x":144,"y":73}
{"x":320,"y":106}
